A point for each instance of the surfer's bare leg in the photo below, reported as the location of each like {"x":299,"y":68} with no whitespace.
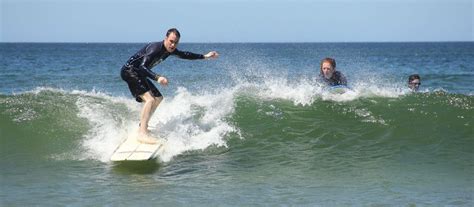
{"x":156,"y":103}
{"x":150,"y":105}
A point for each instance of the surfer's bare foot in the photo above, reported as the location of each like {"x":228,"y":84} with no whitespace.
{"x":146,"y":139}
{"x":147,"y":130}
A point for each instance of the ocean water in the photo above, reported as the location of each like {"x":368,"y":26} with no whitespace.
{"x":251,"y":128}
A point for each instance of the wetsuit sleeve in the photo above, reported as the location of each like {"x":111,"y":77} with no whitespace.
{"x":147,"y":59}
{"x":342,"y":79}
{"x":187,"y":55}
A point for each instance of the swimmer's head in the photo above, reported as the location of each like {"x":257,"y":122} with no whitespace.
{"x":327,"y":67}
{"x":414,"y":82}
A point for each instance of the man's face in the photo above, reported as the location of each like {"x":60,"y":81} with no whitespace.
{"x":327,"y":70}
{"x":414,"y":84}
{"x":171,"y":42}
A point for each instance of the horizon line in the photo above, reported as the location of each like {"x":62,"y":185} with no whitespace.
{"x":275,"y":42}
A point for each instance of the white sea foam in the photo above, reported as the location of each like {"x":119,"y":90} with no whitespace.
{"x":306,"y":92}
{"x":302,"y":92}
{"x":193,"y":121}
{"x":187,"y":121}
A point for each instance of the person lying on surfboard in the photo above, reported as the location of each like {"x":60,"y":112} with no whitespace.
{"x":329,"y":75}
{"x":137,"y":73}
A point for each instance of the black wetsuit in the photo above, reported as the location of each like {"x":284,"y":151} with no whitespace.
{"x":138,"y":68}
{"x":337,"y":79}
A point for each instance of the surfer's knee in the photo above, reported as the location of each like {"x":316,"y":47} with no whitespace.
{"x":154,"y":101}
{"x":159,"y":99}
{"x":147,"y":97}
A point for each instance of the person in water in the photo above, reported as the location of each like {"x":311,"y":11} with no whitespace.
{"x":329,"y":74}
{"x":137,"y":73}
{"x":414,"y":82}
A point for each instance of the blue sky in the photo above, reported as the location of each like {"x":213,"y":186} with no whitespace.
{"x":237,"y":20}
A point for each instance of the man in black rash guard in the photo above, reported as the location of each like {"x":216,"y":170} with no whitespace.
{"x":137,"y":73}
{"x":329,"y":74}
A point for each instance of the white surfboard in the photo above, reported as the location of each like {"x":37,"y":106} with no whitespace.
{"x":339,"y":89}
{"x":132,"y":150}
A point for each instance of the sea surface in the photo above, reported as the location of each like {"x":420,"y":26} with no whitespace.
{"x":251,"y":128}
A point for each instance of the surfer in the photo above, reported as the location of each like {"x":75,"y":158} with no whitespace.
{"x":414,"y":82}
{"x":329,"y":75}
{"x":137,"y":73}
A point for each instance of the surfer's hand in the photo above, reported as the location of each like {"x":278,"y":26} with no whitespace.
{"x":163,"y":81}
{"x":212,"y":54}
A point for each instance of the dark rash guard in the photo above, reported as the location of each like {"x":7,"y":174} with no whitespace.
{"x":337,"y":79}
{"x":151,"y":55}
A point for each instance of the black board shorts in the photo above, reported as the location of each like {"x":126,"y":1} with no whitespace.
{"x":138,"y":85}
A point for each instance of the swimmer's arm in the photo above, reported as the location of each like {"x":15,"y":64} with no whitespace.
{"x":343,"y":80}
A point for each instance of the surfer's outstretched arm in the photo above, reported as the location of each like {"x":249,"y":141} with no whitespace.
{"x":212,"y":54}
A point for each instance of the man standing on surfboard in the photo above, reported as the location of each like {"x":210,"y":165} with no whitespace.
{"x":137,"y":73}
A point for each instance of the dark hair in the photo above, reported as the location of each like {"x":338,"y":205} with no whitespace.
{"x":330,"y":61}
{"x":175,"y":31}
{"x":413,"y":77}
